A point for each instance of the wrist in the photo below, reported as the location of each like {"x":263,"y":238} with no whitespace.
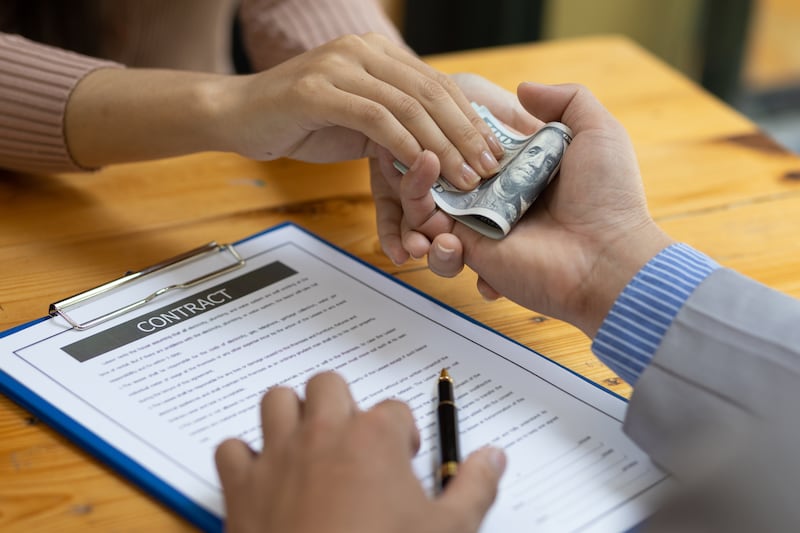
{"x":125,"y":115}
{"x":215,"y":102}
{"x":246,"y":115}
{"x":615,"y":266}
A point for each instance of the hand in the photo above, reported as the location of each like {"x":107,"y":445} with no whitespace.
{"x":583,"y":239}
{"x":327,"y":466}
{"x":339,"y":101}
{"x":402,"y":237}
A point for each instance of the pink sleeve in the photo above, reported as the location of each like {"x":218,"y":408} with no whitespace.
{"x":275,"y":30}
{"x":35,"y":84}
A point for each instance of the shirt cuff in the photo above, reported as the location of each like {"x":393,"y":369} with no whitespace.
{"x":637,"y":322}
{"x":37,"y":82}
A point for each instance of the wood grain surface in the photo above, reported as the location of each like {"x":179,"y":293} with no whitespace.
{"x":712,"y":180}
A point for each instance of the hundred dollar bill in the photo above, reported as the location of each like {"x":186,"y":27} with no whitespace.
{"x":528,"y":165}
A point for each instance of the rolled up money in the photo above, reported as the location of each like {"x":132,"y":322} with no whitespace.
{"x":529,"y":164}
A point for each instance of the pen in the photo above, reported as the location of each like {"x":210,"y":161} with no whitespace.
{"x":448,"y":429}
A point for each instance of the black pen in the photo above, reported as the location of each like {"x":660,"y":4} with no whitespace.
{"x":448,"y":429}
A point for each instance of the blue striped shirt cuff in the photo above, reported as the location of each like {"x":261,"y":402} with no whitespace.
{"x":646,"y":307}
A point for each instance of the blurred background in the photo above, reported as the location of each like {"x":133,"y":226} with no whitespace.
{"x":746,"y":52}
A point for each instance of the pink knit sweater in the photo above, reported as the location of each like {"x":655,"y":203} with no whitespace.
{"x":36,"y":80}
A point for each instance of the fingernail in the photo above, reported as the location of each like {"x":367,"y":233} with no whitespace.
{"x":489,"y":162}
{"x":495,"y":145}
{"x":471,"y":178}
{"x":443,"y":251}
{"x":497,"y":460}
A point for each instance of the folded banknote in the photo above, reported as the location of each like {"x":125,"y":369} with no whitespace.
{"x":529,"y":164}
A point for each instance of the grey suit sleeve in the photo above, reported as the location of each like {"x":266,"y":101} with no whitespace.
{"x":730,"y":361}
{"x":719,"y":407}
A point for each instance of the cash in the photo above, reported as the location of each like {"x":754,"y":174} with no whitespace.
{"x":529,"y":164}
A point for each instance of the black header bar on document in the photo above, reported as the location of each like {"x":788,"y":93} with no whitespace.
{"x":175,"y":313}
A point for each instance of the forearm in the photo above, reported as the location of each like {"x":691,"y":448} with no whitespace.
{"x":62,"y":112}
{"x":336,"y":102}
{"x":730,"y":359}
{"x":38,"y":81}
{"x":123,"y":115}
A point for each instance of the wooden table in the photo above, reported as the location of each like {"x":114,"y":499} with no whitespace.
{"x":712,"y":180}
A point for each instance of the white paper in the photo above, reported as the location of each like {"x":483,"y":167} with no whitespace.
{"x":167,"y":399}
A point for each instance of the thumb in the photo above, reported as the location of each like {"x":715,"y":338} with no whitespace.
{"x":470,"y":494}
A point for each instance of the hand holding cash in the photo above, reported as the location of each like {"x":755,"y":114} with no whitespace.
{"x":528,"y":166}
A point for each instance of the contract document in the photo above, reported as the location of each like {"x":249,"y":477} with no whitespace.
{"x":152,"y":391}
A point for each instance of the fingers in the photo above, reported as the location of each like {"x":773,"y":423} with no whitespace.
{"x":487,"y":291}
{"x":422,"y":219}
{"x":328,"y":398}
{"x":504,"y":104}
{"x":429,"y":113}
{"x":446,"y":255}
{"x":397,"y":418}
{"x":415,"y":190}
{"x":280,"y":415}
{"x":234,"y":459}
{"x":403,"y":232}
{"x":472,"y":491}
{"x":402,"y":103}
{"x":388,"y":213}
{"x":419,"y":209}
{"x":415,"y":243}
{"x":449,"y":85}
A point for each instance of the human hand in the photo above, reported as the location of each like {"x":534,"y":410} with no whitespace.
{"x":327,"y":466}
{"x":338,"y":101}
{"x":583,"y":239}
{"x":408,"y":232}
{"x":344,"y":99}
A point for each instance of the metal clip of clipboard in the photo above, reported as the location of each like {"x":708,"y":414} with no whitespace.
{"x":60,"y":307}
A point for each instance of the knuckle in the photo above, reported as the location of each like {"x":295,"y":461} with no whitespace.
{"x":380,"y":418}
{"x":370,"y":112}
{"x":408,"y":108}
{"x":339,"y":53}
{"x":348,"y":42}
{"x":318,"y":431}
{"x":374,"y":37}
{"x":405,"y":143}
{"x":431,"y":90}
{"x":366,"y":432}
{"x":447,"y":152}
{"x":471,"y":135}
{"x":447,"y":83}
{"x":308,"y":84}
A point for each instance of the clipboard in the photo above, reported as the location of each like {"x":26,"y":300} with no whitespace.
{"x":30,"y":401}
{"x":302,"y":306}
